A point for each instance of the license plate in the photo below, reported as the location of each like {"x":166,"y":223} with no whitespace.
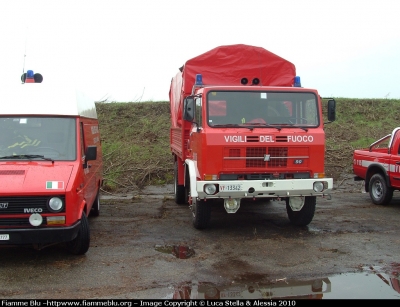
{"x":230,"y":187}
{"x":5,"y":237}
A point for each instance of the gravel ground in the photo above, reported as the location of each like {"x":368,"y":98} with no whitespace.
{"x":143,"y":245}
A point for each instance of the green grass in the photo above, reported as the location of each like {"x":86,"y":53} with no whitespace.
{"x":135,"y":138}
{"x":359,"y":122}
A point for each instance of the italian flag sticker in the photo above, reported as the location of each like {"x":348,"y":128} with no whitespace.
{"x":54,"y":185}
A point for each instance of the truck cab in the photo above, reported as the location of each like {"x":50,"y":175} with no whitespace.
{"x":51,"y":167}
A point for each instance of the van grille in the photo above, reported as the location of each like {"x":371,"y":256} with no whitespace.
{"x":18,"y":222}
{"x":16,"y":205}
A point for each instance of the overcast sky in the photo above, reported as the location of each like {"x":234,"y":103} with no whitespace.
{"x":128,"y":50}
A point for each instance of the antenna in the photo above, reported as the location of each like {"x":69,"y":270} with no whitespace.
{"x":29,"y":76}
{"x":23,"y":65}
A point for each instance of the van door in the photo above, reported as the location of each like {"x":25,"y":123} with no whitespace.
{"x":89,"y":167}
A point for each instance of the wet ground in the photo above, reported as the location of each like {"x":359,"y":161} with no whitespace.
{"x":143,"y":246}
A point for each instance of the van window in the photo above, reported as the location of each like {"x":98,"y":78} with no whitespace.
{"x":82,"y":140}
{"x":50,"y":137}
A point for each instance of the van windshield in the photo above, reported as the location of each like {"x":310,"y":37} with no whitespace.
{"x":30,"y":138}
{"x":294,"y":109}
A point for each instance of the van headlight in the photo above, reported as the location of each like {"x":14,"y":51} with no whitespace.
{"x":55,"y":204}
{"x":210,"y":189}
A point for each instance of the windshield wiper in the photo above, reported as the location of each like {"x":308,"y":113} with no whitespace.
{"x":250,"y":126}
{"x":293,"y":126}
{"x":26,"y":157}
{"x":227,"y":125}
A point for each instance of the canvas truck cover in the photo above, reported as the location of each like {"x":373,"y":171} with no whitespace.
{"x":227,"y":65}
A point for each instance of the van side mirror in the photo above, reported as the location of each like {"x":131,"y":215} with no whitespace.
{"x":331,"y":110}
{"x":91,"y":153}
{"x":188,"y":109}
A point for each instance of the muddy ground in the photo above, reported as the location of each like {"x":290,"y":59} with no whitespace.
{"x":143,"y":245}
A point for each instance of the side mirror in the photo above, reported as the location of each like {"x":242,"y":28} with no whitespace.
{"x":331,"y":110}
{"x":188,"y":109}
{"x":91,"y":153}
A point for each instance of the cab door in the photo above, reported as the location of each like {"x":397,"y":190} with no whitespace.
{"x":394,"y":168}
{"x":89,"y":166}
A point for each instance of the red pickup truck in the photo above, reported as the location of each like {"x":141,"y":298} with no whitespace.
{"x":379,"y":167}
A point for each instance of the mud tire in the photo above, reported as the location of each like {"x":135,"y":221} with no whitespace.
{"x":201,"y":214}
{"x":380,"y":193}
{"x":305,"y":215}
{"x":80,"y":245}
{"x":179,"y":190}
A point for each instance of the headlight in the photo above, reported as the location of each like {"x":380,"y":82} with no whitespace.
{"x":210,"y":189}
{"x":318,"y":186}
{"x":55,"y":204}
{"x":36,"y":219}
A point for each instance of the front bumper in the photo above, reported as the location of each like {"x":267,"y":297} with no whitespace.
{"x":18,"y":236}
{"x":265,"y":188}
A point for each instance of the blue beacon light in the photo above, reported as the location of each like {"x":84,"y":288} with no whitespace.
{"x":31,"y":77}
{"x":297,"y":82}
{"x":29,"y":74}
{"x":199,"y":79}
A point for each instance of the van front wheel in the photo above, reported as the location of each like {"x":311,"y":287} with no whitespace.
{"x":95,"y":211}
{"x":80,"y":244}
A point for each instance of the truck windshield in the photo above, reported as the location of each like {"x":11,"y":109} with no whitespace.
{"x":30,"y":138}
{"x":260,"y":107}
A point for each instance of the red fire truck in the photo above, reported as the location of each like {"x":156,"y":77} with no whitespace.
{"x":243,"y":127}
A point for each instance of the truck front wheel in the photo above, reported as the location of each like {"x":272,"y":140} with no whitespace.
{"x":179,"y":190}
{"x":80,"y":244}
{"x":201,"y":213}
{"x":379,"y":191}
{"x":304,"y":216}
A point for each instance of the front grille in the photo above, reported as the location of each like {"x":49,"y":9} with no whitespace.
{"x":26,"y":204}
{"x":256,"y":157}
{"x":275,"y":156}
{"x":18,"y":222}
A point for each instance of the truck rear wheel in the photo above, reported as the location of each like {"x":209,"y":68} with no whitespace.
{"x":179,"y":190}
{"x":80,"y":244}
{"x":379,"y":191}
{"x":201,"y":214}
{"x":304,"y":216}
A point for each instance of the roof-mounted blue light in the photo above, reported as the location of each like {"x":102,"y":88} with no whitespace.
{"x":297,"y":82}
{"x":199,"y":79}
{"x":29,"y":74}
{"x":30,"y":77}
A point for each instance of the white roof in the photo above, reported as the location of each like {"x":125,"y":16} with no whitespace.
{"x":45,"y":99}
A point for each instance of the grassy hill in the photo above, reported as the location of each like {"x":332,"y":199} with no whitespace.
{"x":135,"y":139}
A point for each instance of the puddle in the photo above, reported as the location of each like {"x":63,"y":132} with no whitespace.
{"x":369,"y":284}
{"x":179,"y":251}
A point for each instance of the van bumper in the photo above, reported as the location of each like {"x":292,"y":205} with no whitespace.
{"x":39,"y":235}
